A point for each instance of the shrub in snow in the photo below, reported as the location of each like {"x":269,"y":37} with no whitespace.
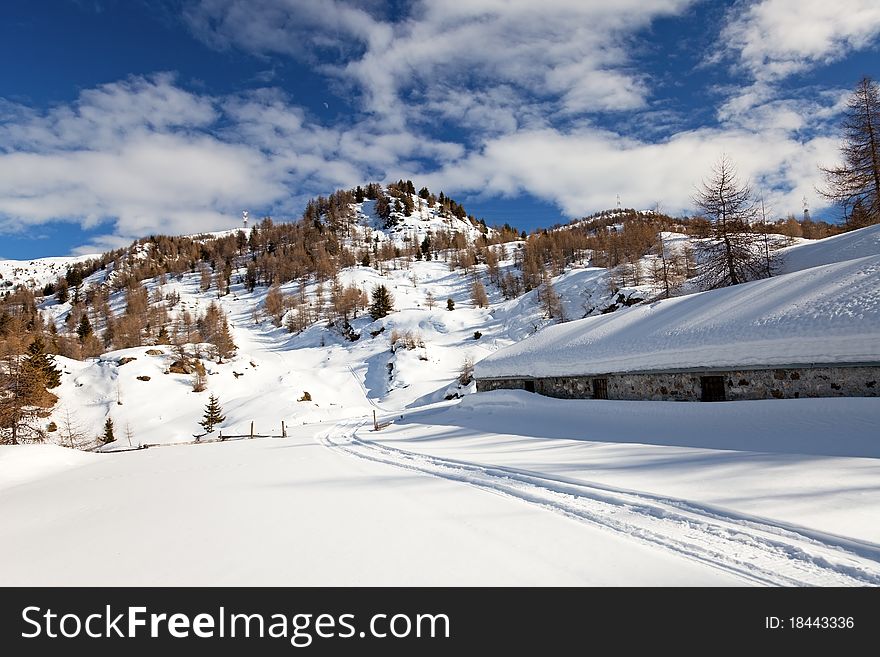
{"x":466,"y":375}
{"x":408,"y":340}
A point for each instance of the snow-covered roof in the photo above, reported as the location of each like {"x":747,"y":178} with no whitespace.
{"x":846,"y":246}
{"x":826,"y":314}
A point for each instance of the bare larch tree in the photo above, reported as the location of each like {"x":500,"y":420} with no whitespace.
{"x":730,"y":255}
{"x":855,"y":184}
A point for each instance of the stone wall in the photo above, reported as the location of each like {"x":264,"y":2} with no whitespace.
{"x":787,"y":383}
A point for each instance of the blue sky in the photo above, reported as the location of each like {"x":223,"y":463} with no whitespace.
{"x":122,"y":118}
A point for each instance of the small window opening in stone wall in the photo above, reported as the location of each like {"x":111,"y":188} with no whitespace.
{"x":529,"y":385}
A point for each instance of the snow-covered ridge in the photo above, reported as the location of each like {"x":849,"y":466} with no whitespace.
{"x":424,"y":221}
{"x":826,"y":314}
{"x":37,"y":272}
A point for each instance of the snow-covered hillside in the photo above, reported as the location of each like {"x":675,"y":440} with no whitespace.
{"x":274,"y":368}
{"x":413,"y":228}
{"x":496,"y":488}
{"x":36,"y":273}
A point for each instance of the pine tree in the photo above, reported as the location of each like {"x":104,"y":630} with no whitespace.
{"x":856,"y":183}
{"x":383,"y":302}
{"x":213,"y":414}
{"x":62,"y":293}
{"x":204,"y":278}
{"x":466,"y":374}
{"x":40,"y":362}
{"x":108,"y":436}
{"x":383,"y":210}
{"x":84,"y":329}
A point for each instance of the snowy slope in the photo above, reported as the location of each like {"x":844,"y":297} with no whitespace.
{"x":291,"y":512}
{"x":784,"y":491}
{"x":424,"y":221}
{"x":499,"y":488}
{"x":19,"y":466}
{"x":824,"y":314}
{"x":846,"y":246}
{"x":37,"y":272}
{"x":274,"y":368}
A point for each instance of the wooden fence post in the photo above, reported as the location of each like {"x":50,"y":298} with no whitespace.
{"x":252,"y":428}
{"x":375,"y":424}
{"x":283,"y":430}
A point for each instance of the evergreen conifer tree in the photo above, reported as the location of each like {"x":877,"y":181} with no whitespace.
{"x":84,"y":329}
{"x":213,"y":414}
{"x":108,"y":436}
{"x":383,"y":302}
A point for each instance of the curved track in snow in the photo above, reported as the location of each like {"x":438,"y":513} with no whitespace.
{"x":757,"y":549}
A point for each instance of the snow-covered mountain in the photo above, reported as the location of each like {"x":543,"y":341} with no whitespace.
{"x":668,"y":493}
{"x":274,"y":368}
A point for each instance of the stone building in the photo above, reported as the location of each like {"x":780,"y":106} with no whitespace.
{"x":810,"y":333}
{"x":704,"y":384}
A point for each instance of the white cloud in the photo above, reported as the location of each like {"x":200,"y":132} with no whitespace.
{"x":152,"y":157}
{"x":193,"y":163}
{"x":573,"y":52}
{"x":107,"y":113}
{"x":139,"y":153}
{"x":517,"y":77}
{"x":773,"y":39}
{"x":584,"y":170}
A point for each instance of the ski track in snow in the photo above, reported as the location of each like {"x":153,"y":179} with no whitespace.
{"x":757,"y":549}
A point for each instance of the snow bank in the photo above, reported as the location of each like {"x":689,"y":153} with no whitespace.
{"x":824,"y":314}
{"x":22,"y":463}
{"x":798,"y":463}
{"x":820,"y":427}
